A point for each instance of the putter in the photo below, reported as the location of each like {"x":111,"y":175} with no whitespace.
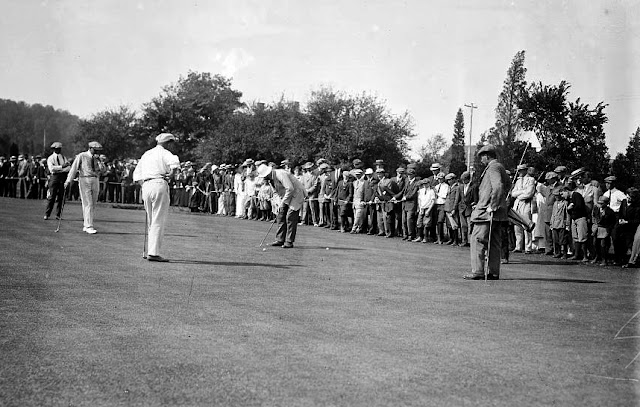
{"x":64,"y":200}
{"x":486,"y":257}
{"x":146,"y":231}
{"x":268,"y":231}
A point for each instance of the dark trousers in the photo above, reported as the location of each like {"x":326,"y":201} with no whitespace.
{"x":335,"y":218}
{"x":372,"y":219}
{"x":288,"y":224}
{"x":409,"y":223}
{"x":56,"y":193}
{"x":327,"y":210}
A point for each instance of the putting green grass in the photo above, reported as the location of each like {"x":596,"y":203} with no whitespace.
{"x":85,"y":321}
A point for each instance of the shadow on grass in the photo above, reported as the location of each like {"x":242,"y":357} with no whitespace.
{"x":230,"y":263}
{"x":121,"y":221}
{"x":141,"y":234}
{"x":548,"y":263}
{"x":554,"y":280}
{"x":330,"y":248}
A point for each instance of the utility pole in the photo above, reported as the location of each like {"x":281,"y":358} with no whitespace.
{"x":471,"y":107}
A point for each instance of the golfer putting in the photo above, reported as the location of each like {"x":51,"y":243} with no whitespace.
{"x":292,"y":193}
{"x":154,"y":168}
{"x":488,"y":217}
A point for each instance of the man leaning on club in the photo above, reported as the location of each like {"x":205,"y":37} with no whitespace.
{"x":488,"y":217}
{"x":154,"y":169}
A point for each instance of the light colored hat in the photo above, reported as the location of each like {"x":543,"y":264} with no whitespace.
{"x":560,"y":168}
{"x":551,"y":175}
{"x":95,"y":145}
{"x":165,"y":137}
{"x":12,"y":158}
{"x":214,"y":167}
{"x":285,"y":162}
{"x":440,"y":175}
{"x":56,"y":144}
{"x":247,"y":162}
{"x":521,"y":167}
{"x":379,"y":162}
{"x":578,"y":172}
{"x":320,"y":161}
{"x":489,"y":148}
{"x":411,"y":171}
{"x":264,"y":170}
{"x":308,"y":165}
{"x":380,"y":170}
{"x":356,"y":171}
{"x":357,"y":163}
{"x":450,"y":176}
{"x":323,"y":166}
{"x":368,"y":171}
{"x":257,"y":163}
{"x":610,"y":178}
{"x":435,"y":167}
{"x":20,"y":156}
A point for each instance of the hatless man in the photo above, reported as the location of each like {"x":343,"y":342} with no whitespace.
{"x":292,"y":195}
{"x":59,"y":169}
{"x":617,"y":200}
{"x":88,"y":167}
{"x":488,"y":217}
{"x":155,"y":168}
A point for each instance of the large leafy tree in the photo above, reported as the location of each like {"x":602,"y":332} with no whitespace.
{"x":571,"y":134}
{"x":114,"y":129}
{"x":192,"y":109}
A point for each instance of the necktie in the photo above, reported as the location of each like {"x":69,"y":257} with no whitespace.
{"x":58,"y":159}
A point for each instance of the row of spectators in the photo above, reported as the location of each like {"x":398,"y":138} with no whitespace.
{"x":558,"y":213}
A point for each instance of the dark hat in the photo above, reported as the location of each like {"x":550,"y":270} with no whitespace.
{"x":400,"y":170}
{"x":412,"y":165}
{"x":603,"y":200}
{"x":411,"y":171}
{"x":489,"y":149}
{"x":357,"y":163}
{"x":465,"y":175}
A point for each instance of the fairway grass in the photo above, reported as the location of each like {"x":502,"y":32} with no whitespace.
{"x":85,"y":321}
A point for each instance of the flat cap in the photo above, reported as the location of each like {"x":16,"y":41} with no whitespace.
{"x":488,"y":148}
{"x":264,"y":170}
{"x":56,"y":144}
{"x":368,"y":171}
{"x":308,"y":165}
{"x":465,"y":175}
{"x":285,"y":162}
{"x":320,"y":161}
{"x":95,"y":144}
{"x":323,"y":166}
{"x":521,"y":167}
{"x":440,"y":175}
{"x":400,"y":170}
{"x":379,"y":162}
{"x":551,"y":175}
{"x":560,"y":168}
{"x":165,"y":137}
{"x":435,"y":167}
{"x":610,"y":178}
{"x":411,"y":171}
{"x":357,"y":163}
{"x":450,"y":176}
{"x":12,"y":158}
{"x":356,"y":171}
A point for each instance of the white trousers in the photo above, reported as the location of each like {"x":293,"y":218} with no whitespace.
{"x":155,"y":195}
{"x":89,"y":190}
{"x":240,"y":201}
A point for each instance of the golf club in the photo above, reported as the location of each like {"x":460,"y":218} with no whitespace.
{"x":486,"y":257}
{"x":64,"y":200}
{"x":146,"y":232}
{"x":268,"y":231}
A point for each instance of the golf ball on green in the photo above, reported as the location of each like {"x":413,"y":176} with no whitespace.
{"x":327,"y":248}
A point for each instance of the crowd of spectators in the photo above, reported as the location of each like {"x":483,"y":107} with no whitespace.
{"x":563,"y":214}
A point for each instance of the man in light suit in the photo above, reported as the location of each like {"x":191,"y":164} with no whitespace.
{"x":488,"y":216}
{"x":292,"y":194}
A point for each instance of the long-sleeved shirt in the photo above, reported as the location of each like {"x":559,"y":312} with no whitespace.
{"x":85,"y":165}
{"x":155,"y":163}
{"x":289,"y":188}
{"x":442,"y":190}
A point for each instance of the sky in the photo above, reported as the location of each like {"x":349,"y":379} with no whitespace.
{"x":429,"y":58}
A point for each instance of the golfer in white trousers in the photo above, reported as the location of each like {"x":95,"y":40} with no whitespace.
{"x":153,"y":170}
{"x":89,"y":168}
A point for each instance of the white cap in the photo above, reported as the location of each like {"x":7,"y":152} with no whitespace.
{"x":263,"y":170}
{"x":164,"y":137}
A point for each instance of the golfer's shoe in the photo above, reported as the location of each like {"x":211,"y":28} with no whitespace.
{"x":276,"y":243}
{"x":481,"y":277}
{"x":46,"y":217}
{"x":90,"y":231}
{"x":287,"y":246}
{"x":160,"y":259}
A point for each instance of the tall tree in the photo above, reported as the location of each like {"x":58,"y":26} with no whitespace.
{"x":433,"y":149}
{"x":626,"y":167}
{"x":114,"y":129}
{"x":458,"y":165}
{"x":508,"y":122}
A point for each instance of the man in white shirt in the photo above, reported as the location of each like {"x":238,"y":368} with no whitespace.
{"x":58,"y":168}
{"x":617,"y":199}
{"x":88,"y":167}
{"x":154,"y":169}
